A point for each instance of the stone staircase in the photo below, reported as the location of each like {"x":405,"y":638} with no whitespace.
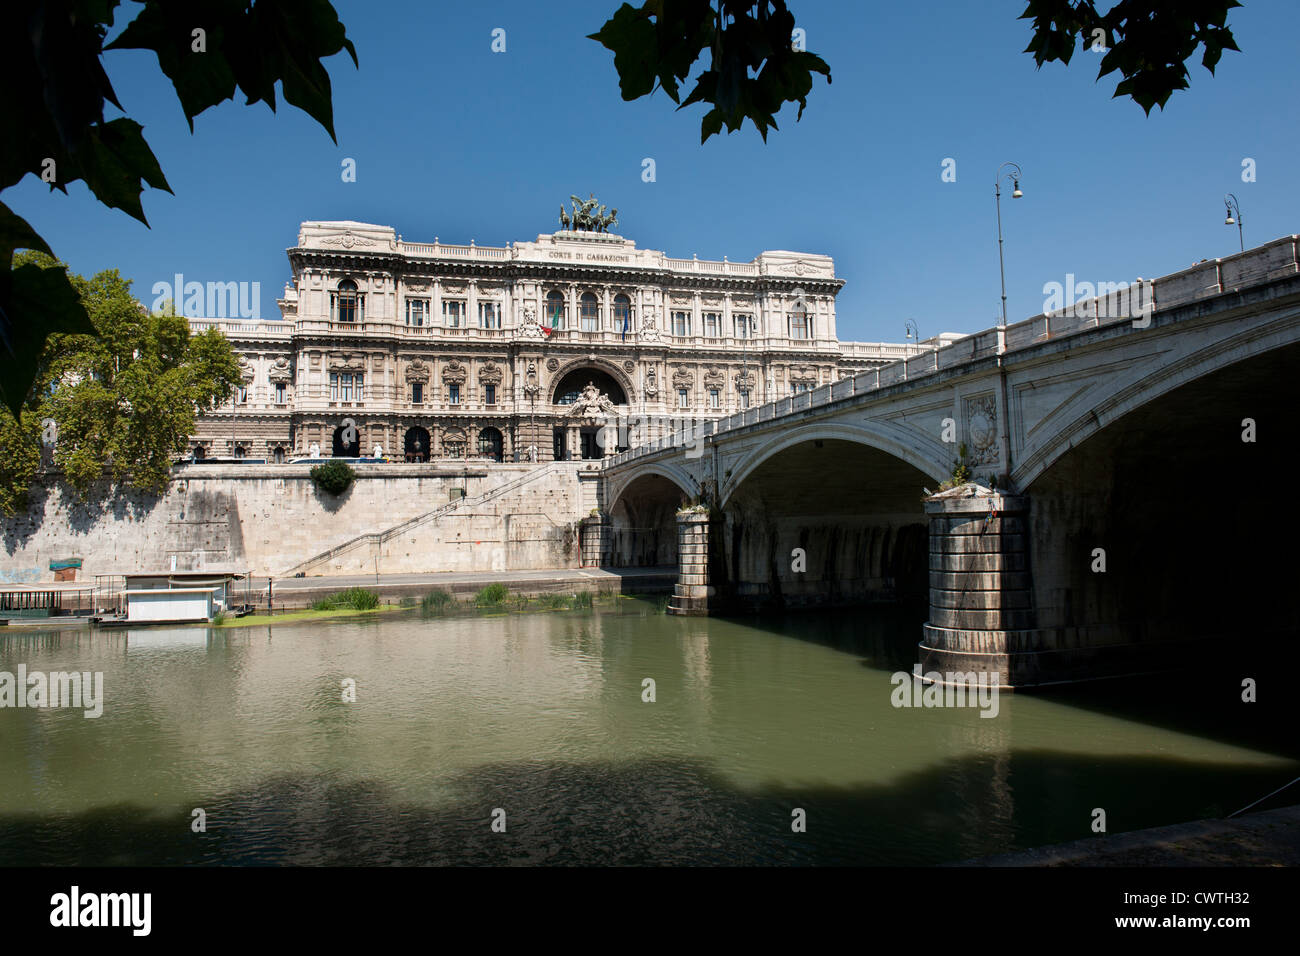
{"x":376,"y":539}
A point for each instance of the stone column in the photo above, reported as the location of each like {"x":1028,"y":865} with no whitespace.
{"x":596,"y":534}
{"x":574,"y":437}
{"x":692,"y":593}
{"x":981,"y":608}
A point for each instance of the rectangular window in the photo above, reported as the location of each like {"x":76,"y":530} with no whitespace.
{"x":489,"y":315}
{"x":683,"y":397}
{"x":417,"y":312}
{"x":453,"y":313}
{"x":712,"y":324}
{"x":800,"y":325}
{"x":345,"y":387}
{"x":360,"y":397}
{"x":744,"y":398}
{"x":797,"y":387}
{"x":744,"y":326}
{"x":453,"y":394}
{"x":489,"y":394}
{"x":681,"y":323}
{"x":334,"y":386}
{"x":280,"y":393}
{"x":417,"y":393}
{"x":715,"y":399}
{"x":589,"y":313}
{"x":243,"y":395}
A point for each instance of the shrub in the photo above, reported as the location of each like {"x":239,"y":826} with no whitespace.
{"x":492,"y":595}
{"x":436,"y":600}
{"x":552,"y":602}
{"x":407,"y":601}
{"x":333,"y":477}
{"x":219,"y":617}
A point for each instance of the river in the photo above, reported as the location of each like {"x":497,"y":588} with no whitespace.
{"x":770,"y":740}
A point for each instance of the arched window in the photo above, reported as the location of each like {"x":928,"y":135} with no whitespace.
{"x":278,"y":455}
{"x":347,"y":304}
{"x":589,"y":312}
{"x":623,"y":314}
{"x":554,"y":310}
{"x":491,"y":444}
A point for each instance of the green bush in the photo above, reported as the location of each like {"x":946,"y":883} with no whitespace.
{"x":334,"y":477}
{"x":435,"y":600}
{"x":219,"y":617}
{"x":407,"y":601}
{"x":552,"y":602}
{"x":492,"y":595}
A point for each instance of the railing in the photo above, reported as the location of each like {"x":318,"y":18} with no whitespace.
{"x":1276,"y":260}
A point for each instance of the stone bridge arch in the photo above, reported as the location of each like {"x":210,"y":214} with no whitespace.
{"x":931,"y":457}
{"x":1103,"y":401}
{"x":640,"y":515}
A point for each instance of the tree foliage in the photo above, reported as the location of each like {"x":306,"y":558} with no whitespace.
{"x":52,"y":120}
{"x":755,"y":67}
{"x":660,"y":41}
{"x":1147,"y":41}
{"x":122,"y":401}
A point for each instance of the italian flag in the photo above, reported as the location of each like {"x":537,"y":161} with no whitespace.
{"x":555,"y":323}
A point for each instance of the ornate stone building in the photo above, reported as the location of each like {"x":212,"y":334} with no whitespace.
{"x":523,"y":352}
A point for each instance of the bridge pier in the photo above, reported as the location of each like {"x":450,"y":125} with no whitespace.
{"x":981,"y":605}
{"x":694,"y":595}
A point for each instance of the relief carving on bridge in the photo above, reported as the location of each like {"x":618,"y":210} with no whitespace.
{"x":981,"y":414}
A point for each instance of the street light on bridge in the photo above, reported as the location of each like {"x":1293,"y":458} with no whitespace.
{"x":913,"y":333}
{"x":1230,"y":203}
{"x":1014,"y":176}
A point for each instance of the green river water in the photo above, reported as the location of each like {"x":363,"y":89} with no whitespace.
{"x":542,"y":716}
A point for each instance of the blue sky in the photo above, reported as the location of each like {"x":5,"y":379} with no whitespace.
{"x":455,"y":141}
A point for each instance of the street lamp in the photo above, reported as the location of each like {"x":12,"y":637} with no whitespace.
{"x":913,"y":333}
{"x":997,"y":198}
{"x":1232,"y":206}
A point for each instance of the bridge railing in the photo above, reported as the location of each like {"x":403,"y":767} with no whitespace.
{"x":1133,"y":302}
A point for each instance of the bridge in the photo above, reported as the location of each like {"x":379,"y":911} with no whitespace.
{"x":1124,"y":453}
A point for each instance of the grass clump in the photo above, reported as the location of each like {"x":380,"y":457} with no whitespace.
{"x":358,"y":599}
{"x":492,"y":595}
{"x":582,"y":601}
{"x":435,"y":601}
{"x":552,"y":602}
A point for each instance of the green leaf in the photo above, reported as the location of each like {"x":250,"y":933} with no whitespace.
{"x":35,"y":302}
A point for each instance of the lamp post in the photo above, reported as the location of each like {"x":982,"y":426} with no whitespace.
{"x":997,"y":198}
{"x":913,"y":333}
{"x":1013,"y":173}
{"x":1233,"y":207}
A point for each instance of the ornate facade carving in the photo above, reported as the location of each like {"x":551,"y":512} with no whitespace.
{"x":417,"y":372}
{"x":489,"y":374}
{"x":453,"y":373}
